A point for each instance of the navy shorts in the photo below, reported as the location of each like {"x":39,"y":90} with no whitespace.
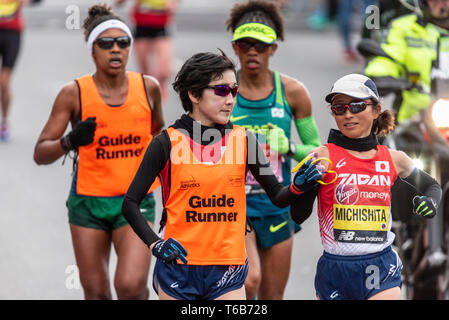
{"x":190,"y":282}
{"x":357,"y":277}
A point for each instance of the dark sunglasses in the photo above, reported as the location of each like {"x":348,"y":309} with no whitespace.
{"x":107,"y":42}
{"x":260,"y":47}
{"x":353,"y":107}
{"x":223,"y":90}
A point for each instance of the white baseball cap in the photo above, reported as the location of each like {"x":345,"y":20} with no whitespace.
{"x":356,"y":86}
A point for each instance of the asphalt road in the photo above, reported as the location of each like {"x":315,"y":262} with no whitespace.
{"x":36,"y":255}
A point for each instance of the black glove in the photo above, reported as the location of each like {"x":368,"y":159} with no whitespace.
{"x":83,"y":134}
{"x":424,"y":206}
{"x":169,"y":250}
{"x":306,"y":177}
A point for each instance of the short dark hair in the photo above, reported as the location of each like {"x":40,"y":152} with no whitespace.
{"x":196,"y":74}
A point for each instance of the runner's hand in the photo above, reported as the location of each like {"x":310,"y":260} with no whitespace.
{"x":277,"y":140}
{"x":169,"y":251}
{"x":424,"y":207}
{"x":83,"y":133}
{"x":306,"y":177}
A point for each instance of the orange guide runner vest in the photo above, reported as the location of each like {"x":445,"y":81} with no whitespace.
{"x":206,"y":205}
{"x":107,"y":166}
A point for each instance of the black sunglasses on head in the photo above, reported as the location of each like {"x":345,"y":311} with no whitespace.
{"x":353,"y":107}
{"x":107,"y":42}
{"x":223,"y":90}
{"x":245,"y":46}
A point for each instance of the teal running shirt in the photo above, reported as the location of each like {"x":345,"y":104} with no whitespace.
{"x":255,"y":115}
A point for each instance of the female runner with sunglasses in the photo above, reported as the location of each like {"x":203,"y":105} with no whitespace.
{"x":354,"y":211}
{"x":202,"y":161}
{"x":114,"y":114}
{"x":266,"y":104}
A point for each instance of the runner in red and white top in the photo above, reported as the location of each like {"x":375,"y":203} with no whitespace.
{"x":354,"y":207}
{"x":354,"y":212}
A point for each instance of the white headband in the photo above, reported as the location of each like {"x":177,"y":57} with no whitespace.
{"x":108,"y":24}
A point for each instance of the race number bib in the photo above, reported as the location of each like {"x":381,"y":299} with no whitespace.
{"x":361,"y":224}
{"x":275,"y":159}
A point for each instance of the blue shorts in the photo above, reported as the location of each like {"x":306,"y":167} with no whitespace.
{"x":357,"y":277}
{"x":190,"y":282}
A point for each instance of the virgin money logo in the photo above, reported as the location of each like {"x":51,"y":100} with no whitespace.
{"x":347,"y":194}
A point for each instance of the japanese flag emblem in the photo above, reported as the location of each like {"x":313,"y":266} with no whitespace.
{"x":382,"y":166}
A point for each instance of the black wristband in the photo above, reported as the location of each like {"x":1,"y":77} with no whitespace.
{"x":65,"y":143}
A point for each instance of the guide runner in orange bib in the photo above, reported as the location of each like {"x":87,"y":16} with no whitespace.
{"x":114,"y":115}
{"x":202,"y":161}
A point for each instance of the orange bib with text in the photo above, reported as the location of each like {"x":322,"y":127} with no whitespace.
{"x":107,"y":166}
{"x":206,"y":205}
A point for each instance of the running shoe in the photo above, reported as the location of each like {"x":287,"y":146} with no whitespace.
{"x":5,"y":133}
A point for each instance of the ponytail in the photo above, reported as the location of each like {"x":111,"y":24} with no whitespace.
{"x":384,"y":124}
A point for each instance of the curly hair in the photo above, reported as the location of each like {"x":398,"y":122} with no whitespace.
{"x":261,"y":11}
{"x":97,"y":14}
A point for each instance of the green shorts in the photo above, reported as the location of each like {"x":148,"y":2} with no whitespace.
{"x":271,"y":230}
{"x":104,"y":213}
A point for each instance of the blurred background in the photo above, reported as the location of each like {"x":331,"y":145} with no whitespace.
{"x":36,"y":255}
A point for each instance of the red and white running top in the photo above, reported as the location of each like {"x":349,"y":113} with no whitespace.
{"x":354,"y":212}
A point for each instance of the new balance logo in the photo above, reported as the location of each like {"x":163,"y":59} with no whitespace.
{"x":346,"y":236}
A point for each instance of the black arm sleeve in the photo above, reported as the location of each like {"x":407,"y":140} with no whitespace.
{"x":425,"y":184}
{"x":280,"y":195}
{"x":420,"y":180}
{"x":302,"y":207}
{"x":154,"y":160}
